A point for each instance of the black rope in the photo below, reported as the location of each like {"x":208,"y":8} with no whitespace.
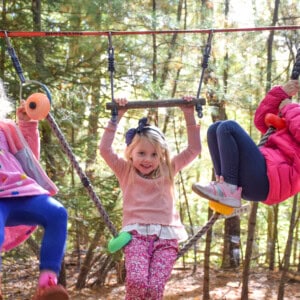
{"x":84,"y":179}
{"x":14,"y":58}
{"x":199,"y":234}
{"x":204,"y":65}
{"x":111,"y":69}
{"x":266,"y":136}
{"x":296,"y":68}
{"x":65,"y":146}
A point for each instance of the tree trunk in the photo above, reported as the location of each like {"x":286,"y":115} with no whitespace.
{"x":271,"y":226}
{"x":84,"y":270}
{"x":270,"y":237}
{"x":206,"y":277}
{"x":92,"y":149}
{"x":288,"y":250}
{"x":274,"y":239}
{"x":248,"y":254}
{"x":270,"y":46}
{"x":231,"y":249}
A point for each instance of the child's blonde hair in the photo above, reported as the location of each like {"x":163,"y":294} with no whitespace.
{"x":5,"y":104}
{"x":156,"y":138}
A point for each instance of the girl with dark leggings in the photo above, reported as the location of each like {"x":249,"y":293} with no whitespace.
{"x":269,"y":173}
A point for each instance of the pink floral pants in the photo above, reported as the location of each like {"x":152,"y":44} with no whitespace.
{"x":149,"y":262}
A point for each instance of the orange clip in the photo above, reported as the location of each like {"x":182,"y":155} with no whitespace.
{"x":275,"y":121}
{"x":37,"y":106}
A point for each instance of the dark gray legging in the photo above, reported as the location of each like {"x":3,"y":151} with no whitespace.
{"x":237,"y":158}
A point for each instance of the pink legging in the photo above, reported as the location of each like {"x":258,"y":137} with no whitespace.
{"x":149,"y":262}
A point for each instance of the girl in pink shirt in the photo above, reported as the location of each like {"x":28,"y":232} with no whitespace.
{"x":146,"y":178}
{"x":25,"y":199}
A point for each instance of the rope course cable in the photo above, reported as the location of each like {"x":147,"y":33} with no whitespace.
{"x":141,"y":32}
{"x":215,"y":217}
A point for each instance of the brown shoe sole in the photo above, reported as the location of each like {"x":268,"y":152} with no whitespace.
{"x":54,"y":293}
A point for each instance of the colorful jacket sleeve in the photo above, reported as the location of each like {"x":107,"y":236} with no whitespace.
{"x":270,"y":104}
{"x":27,"y":153}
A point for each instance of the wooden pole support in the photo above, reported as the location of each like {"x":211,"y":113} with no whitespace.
{"x":156,"y":103}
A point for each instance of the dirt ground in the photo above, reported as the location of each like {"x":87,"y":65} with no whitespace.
{"x":224,"y":285}
{"x":19,"y":284}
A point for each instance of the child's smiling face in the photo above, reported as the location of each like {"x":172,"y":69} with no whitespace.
{"x":145,"y":158}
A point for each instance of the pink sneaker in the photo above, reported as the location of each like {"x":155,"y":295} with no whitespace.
{"x":219,"y":192}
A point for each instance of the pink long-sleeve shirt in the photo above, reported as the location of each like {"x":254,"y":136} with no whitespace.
{"x":148,"y":201}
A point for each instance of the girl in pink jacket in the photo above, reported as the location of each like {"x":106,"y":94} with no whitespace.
{"x":146,"y":178}
{"x":25,"y":199}
{"x":269,"y":173}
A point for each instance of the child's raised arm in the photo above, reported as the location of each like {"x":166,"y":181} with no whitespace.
{"x":188,"y":111}
{"x":121,"y":109}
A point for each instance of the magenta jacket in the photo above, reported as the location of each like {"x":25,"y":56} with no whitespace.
{"x":23,"y":146}
{"x":282,"y":150}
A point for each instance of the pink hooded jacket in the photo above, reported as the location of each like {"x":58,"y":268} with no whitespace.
{"x":23,"y":143}
{"x":282,"y":149}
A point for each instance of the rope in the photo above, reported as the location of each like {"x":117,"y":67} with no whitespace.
{"x":216,"y":216}
{"x":199,"y":234}
{"x":84,"y":179}
{"x":266,"y":136}
{"x":65,"y":146}
{"x":142,"y":32}
{"x":13,"y":55}
{"x":204,"y":65}
{"x":111,"y":69}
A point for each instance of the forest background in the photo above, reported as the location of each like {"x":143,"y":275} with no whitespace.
{"x":242,"y":67}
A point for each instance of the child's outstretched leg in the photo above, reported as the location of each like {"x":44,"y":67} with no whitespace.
{"x":52,"y":250}
{"x":52,"y":216}
{"x":237,"y":159}
{"x":224,"y":156}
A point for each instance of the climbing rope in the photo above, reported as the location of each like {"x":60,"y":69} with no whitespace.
{"x":199,"y":234}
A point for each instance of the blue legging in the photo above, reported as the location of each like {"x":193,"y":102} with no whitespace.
{"x":38,"y":210}
{"x":237,"y":158}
